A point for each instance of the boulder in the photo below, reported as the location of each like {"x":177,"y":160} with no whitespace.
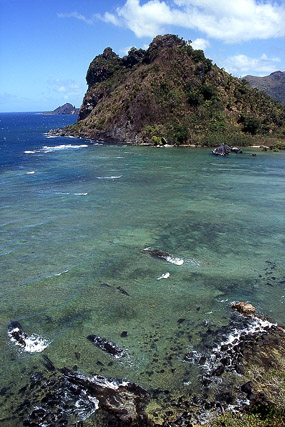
{"x":244,"y":308}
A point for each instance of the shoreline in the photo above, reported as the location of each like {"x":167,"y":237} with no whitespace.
{"x":242,"y":372}
{"x":66,"y":132}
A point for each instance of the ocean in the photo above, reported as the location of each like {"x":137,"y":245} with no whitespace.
{"x":79,"y":223}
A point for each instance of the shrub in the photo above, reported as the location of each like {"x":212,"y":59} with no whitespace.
{"x":179,"y":134}
{"x":208,"y":91}
{"x":250,"y":125}
{"x":214,"y":139}
{"x":156,"y":140}
{"x":278,"y":145}
{"x":198,"y":55}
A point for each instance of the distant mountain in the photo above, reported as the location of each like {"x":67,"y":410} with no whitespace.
{"x":64,"y":109}
{"x":273,"y":85}
{"x":172,"y":94}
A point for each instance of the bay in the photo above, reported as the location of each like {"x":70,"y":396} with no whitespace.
{"x":78,"y":222}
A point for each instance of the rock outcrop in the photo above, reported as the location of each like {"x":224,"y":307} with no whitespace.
{"x":244,"y":308}
{"x":171,"y":93}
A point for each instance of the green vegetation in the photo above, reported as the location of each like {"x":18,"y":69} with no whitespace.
{"x":271,"y":418}
{"x":278,"y":146}
{"x":172,"y":93}
{"x":233,"y":139}
{"x":179,"y":134}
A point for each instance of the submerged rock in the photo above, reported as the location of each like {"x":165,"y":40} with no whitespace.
{"x":122,"y":290}
{"x":107,"y":346}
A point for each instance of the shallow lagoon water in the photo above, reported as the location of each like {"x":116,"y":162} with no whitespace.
{"x":76,"y":221}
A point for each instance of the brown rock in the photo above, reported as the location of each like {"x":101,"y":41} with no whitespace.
{"x":244,"y":308}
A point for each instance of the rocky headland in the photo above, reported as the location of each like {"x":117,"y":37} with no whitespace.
{"x":172,"y":94}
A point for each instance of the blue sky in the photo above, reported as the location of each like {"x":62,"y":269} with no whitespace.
{"x":46,"y":46}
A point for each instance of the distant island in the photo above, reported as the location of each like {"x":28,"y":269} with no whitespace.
{"x":64,"y":109}
{"x":273,"y":85}
{"x":172,"y":94}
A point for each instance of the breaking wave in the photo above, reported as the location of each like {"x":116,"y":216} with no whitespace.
{"x":51,"y":149}
{"x":31,"y":344}
{"x":176,"y":261}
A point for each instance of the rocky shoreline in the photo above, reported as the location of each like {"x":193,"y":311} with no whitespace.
{"x":243,"y":371}
{"x":103,"y":137}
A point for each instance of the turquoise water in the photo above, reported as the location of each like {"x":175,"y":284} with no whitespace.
{"x":75,"y":225}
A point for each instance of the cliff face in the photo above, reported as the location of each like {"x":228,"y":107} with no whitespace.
{"x":273,"y":85}
{"x":170,"y":93}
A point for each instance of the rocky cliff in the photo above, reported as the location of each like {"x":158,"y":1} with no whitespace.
{"x":273,"y":85}
{"x":171,"y":93}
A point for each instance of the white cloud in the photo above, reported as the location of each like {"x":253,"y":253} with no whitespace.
{"x":77,"y":16}
{"x":235,"y":21}
{"x":200,"y":44}
{"x":148,"y":19}
{"x":241,"y":65}
{"x":68,"y":88}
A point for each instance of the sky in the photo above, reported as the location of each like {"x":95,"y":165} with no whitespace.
{"x":46,"y":46}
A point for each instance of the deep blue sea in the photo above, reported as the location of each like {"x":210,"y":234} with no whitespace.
{"x":78,"y":222}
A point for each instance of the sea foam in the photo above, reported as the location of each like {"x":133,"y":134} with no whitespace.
{"x":164,"y":276}
{"x":47,"y":149}
{"x":31,"y":344}
{"x":176,"y":261}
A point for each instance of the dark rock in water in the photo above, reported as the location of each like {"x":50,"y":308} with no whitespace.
{"x":105,"y":285}
{"x":222,"y":150}
{"x":269,"y":284}
{"x":124,"y":400}
{"x":122,"y":291}
{"x":66,"y":396}
{"x":48,"y":363}
{"x":219,"y":370}
{"x":157,"y":253}
{"x":30,"y":343}
{"x":236,"y":150}
{"x":16,"y":332}
{"x":107,"y":346}
{"x":124,"y":334}
{"x":189,"y":356}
